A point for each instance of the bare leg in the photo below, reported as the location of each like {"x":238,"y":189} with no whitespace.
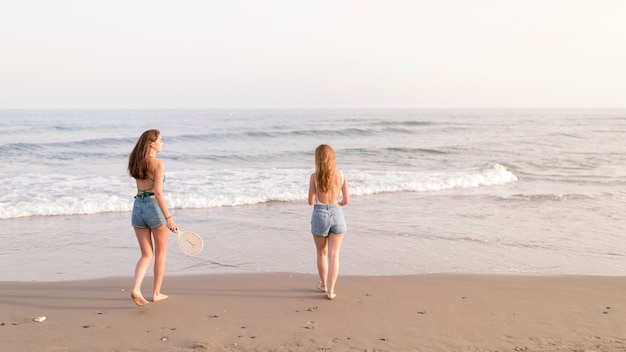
{"x":321,"y":244}
{"x":145,"y":244}
{"x":334,"y":246}
{"x":160,"y":256}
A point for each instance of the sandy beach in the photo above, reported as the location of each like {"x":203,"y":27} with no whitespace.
{"x":283,"y":312}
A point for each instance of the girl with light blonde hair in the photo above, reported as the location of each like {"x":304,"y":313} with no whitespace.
{"x":328,"y":224}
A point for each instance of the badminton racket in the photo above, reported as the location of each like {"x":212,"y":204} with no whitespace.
{"x":189,"y":242}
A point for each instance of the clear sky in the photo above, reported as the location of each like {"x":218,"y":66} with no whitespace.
{"x":312,"y":54}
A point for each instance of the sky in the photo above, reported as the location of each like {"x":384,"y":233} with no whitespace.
{"x":273,"y":54}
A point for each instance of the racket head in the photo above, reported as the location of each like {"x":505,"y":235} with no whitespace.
{"x":190,"y":242}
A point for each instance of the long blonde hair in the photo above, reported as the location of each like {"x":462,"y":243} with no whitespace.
{"x":325,"y":167}
{"x":137,"y":162}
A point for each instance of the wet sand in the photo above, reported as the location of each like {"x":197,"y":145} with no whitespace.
{"x":283,"y":312}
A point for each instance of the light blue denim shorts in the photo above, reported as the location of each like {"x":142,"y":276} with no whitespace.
{"x":146,"y":213}
{"x":327,"y":219}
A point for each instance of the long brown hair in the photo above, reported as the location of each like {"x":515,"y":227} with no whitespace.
{"x":137,"y":162}
{"x":325,"y":167}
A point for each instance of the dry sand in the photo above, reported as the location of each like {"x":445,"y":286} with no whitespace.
{"x":283,"y":312}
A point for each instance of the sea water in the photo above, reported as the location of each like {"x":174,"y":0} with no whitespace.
{"x":487,"y":191}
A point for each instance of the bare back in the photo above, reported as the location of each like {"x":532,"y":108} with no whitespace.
{"x":155,"y":173}
{"x":339,"y":188}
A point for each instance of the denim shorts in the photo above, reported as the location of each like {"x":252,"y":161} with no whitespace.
{"x":327,"y":219}
{"x":147,"y":214}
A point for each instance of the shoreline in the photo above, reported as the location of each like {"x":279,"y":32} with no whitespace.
{"x":283,"y":312}
{"x":450,"y":235}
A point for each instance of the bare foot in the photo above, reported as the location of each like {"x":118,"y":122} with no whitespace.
{"x":331,"y":296}
{"x":139,"y":300}
{"x":159,"y":297}
{"x":320,"y":287}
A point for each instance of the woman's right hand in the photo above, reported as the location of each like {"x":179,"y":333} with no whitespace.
{"x":172,"y":225}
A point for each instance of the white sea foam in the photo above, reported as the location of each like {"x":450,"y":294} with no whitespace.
{"x":68,"y":194}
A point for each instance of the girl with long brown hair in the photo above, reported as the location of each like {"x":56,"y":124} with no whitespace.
{"x":150,"y":218}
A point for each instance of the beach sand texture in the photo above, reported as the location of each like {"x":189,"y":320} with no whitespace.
{"x":283,"y":312}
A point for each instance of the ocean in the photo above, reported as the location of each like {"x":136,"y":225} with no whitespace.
{"x":432,"y":191}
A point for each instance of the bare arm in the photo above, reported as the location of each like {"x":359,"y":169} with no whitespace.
{"x":345,"y":192}
{"x":312,"y":190}
{"x":159,"y":171}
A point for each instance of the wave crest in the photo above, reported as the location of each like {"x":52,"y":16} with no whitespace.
{"x":54,"y":194}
